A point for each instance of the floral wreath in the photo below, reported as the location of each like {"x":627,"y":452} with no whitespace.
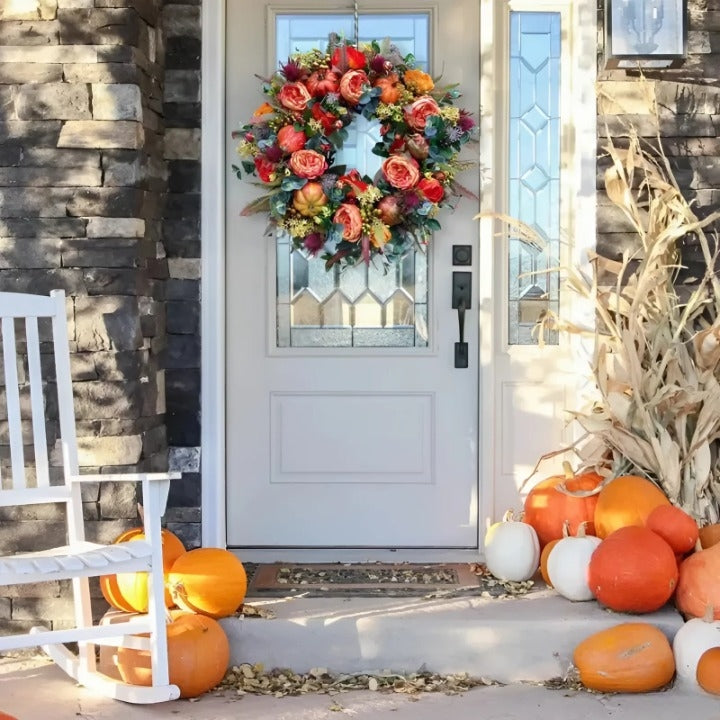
{"x":291,"y":141}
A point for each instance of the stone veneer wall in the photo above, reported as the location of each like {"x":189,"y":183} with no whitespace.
{"x":82,"y":190}
{"x":688,"y":102}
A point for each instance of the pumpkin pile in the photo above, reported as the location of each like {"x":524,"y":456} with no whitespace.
{"x":621,"y":542}
{"x":204,"y":584}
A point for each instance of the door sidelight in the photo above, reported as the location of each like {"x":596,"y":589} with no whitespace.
{"x":461,"y":293}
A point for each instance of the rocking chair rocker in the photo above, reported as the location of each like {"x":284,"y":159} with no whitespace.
{"x":26,"y":479}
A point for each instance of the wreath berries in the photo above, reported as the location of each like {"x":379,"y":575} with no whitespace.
{"x":291,"y":141}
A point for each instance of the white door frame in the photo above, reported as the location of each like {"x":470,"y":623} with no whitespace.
{"x":212,"y":228}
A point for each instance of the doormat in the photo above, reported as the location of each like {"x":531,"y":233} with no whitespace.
{"x":377,"y":579}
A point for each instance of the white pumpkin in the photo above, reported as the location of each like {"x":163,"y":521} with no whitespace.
{"x":512,"y":549}
{"x":691,"y":641}
{"x":568,"y":562}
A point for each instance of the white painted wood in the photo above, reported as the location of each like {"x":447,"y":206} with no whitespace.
{"x":334,"y":506}
{"x":212,"y":307}
{"x":42,"y":472}
{"x":80,"y":560}
{"x":12,"y":400}
{"x":530,"y":388}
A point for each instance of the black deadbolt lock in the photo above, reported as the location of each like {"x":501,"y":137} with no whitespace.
{"x":462,"y":254}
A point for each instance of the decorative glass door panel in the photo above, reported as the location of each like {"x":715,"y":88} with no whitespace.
{"x":368,"y":305}
{"x":534,"y":169}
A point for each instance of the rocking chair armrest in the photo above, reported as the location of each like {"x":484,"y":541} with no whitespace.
{"x":125,"y":477}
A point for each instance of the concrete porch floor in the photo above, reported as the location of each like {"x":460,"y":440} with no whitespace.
{"x":515,"y":640}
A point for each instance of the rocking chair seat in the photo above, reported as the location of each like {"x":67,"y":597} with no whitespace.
{"x":84,"y":559}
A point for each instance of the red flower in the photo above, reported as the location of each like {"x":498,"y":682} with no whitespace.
{"x":290,"y":139}
{"x":294,"y":96}
{"x":353,"y":180}
{"x":401,"y":171}
{"x":352,"y":85}
{"x":328,"y":121}
{"x":354,"y":58}
{"x":265,"y":169}
{"x":307,"y":164}
{"x":431,"y":189}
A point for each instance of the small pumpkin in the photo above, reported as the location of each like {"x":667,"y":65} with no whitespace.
{"x":568,"y":563}
{"x":708,"y":671}
{"x":544,"y":555}
{"x":198,"y":656}
{"x":129,"y":591}
{"x":629,"y":658}
{"x":626,"y":500}
{"x":559,"y":499}
{"x":211,"y":581}
{"x":709,"y":535}
{"x":389,"y":89}
{"x":675,"y":526}
{"x":691,"y":640}
{"x":699,"y":583}
{"x":633,"y":570}
{"x":310,"y":199}
{"x":512,"y":550}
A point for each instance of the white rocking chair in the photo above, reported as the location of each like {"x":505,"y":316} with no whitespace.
{"x":28,"y":482}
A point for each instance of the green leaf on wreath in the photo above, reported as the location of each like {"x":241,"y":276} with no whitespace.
{"x":293,"y":183}
{"x":432,"y":225}
{"x":248,"y":166}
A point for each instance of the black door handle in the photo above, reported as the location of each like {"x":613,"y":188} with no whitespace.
{"x":461,"y":292}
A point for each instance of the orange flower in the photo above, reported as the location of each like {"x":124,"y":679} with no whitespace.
{"x":294,"y":96}
{"x":352,"y":85}
{"x":418,"y":81}
{"x":307,"y":164}
{"x":401,"y":171}
{"x":348,"y":215}
{"x":417,"y":113}
{"x":264,"y":109}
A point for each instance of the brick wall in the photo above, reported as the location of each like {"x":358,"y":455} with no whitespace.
{"x":688,"y":103}
{"x":82,"y":191}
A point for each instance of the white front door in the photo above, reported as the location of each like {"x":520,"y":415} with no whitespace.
{"x":359,"y":431}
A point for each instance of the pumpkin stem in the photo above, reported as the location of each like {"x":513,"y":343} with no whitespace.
{"x":509,"y":515}
{"x":568,"y":470}
{"x":581,"y":529}
{"x":566,"y":528}
{"x":698,"y":545}
{"x":709,"y":615}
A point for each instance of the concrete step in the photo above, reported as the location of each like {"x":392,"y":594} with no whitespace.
{"x":525,"y":638}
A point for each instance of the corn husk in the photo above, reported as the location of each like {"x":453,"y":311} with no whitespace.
{"x":656,"y":358}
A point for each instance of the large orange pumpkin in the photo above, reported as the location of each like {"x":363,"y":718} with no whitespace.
{"x":5,"y":716}
{"x":198,"y":656}
{"x":675,"y":526}
{"x":633,"y":570}
{"x":129,"y":591}
{"x":626,"y":500}
{"x":630,"y":658}
{"x":699,"y":583}
{"x":709,"y":535}
{"x":548,"y":505}
{"x":708,"y":671}
{"x":211,"y":581}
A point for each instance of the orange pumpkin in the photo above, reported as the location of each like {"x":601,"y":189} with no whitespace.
{"x":548,"y":506}
{"x":544,"y":555}
{"x":708,"y":671}
{"x":675,"y":526}
{"x":633,"y":570}
{"x":699,"y":583}
{"x":129,"y":591}
{"x":198,"y":656}
{"x":211,"y":581}
{"x":5,"y":716}
{"x":626,"y":500}
{"x":310,"y":199}
{"x":709,"y":535}
{"x":630,"y":658}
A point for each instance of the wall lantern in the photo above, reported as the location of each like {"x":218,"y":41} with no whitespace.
{"x":645,"y":33}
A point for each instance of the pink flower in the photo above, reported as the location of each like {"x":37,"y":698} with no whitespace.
{"x":401,"y":171}
{"x":307,"y":164}
{"x":290,"y":139}
{"x":294,"y":96}
{"x":352,"y":85}
{"x":431,"y":189}
{"x":417,"y":146}
{"x":348,"y":215}
{"x":417,"y":113}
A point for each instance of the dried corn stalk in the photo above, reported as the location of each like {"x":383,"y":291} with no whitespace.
{"x":656,"y":359}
